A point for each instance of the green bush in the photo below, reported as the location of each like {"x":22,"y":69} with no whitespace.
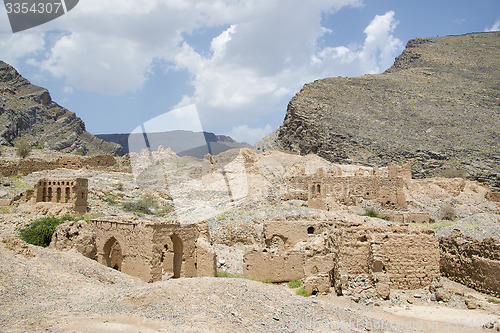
{"x":302,"y":292}
{"x":144,"y":205}
{"x":295,"y":283}
{"x":493,"y":300}
{"x":371,"y":212}
{"x":267,"y":280}
{"x":23,"y":147}
{"x":40,"y":231}
{"x":226,"y":274}
{"x":147,"y":205}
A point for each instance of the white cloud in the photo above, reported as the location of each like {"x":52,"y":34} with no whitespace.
{"x":267,"y":51}
{"x":494,"y":27}
{"x":14,"y":47}
{"x":243,"y":133}
{"x":68,"y":90}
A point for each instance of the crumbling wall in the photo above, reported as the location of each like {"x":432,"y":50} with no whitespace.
{"x":348,"y":190}
{"x":72,"y":192}
{"x":403,"y":171}
{"x":471,"y":262}
{"x":27,"y":166}
{"x":380,"y":258}
{"x":261,"y":264}
{"x":154,"y":250}
{"x":407,"y":257}
{"x":290,"y":232}
{"x":98,"y":161}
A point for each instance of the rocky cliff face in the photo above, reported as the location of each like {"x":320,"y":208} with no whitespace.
{"x":26,"y":109}
{"x":438,"y":107}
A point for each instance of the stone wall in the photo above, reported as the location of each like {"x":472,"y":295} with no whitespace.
{"x":327,"y":255}
{"x":347,"y":190}
{"x":471,"y":262}
{"x":27,"y":166}
{"x":152,"y":250}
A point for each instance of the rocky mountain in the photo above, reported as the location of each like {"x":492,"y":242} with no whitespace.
{"x":27,"y":110}
{"x":183,"y":143}
{"x":438,"y":107}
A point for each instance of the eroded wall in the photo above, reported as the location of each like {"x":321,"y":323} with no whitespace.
{"x":153,"y":250}
{"x":471,"y":262}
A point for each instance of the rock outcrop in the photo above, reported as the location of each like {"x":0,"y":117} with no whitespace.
{"x":78,"y":235}
{"x":26,"y":109}
{"x":437,"y":107}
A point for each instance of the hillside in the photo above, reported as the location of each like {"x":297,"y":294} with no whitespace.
{"x":26,"y":109}
{"x":438,"y":107}
{"x":195,"y":144}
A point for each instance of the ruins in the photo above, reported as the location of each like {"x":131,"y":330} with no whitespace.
{"x":71,"y":193}
{"x":327,"y":188}
{"x":27,"y":166}
{"x":154,"y":250}
{"x":334,"y":256}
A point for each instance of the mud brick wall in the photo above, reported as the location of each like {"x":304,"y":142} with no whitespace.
{"x":277,"y":267}
{"x":25,"y":167}
{"x":471,"y":262}
{"x":99,"y":161}
{"x":146,"y":249}
{"x":408,"y":257}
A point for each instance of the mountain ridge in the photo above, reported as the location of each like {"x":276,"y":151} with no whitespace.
{"x":28,"y":110}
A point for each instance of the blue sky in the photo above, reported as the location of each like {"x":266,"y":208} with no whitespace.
{"x":119,"y":63}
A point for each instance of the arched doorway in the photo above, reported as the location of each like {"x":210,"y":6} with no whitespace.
{"x":178,"y":252}
{"x":113,"y":254}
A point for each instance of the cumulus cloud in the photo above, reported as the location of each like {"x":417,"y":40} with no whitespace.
{"x":494,"y":27}
{"x":244,"y":133}
{"x":265,"y":51}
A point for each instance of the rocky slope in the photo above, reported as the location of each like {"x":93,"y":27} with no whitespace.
{"x":438,"y":106}
{"x":26,"y":109}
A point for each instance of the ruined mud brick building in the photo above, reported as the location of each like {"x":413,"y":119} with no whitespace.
{"x":471,"y":262}
{"x":70,"y":192}
{"x":152,"y":250}
{"x":27,"y":166}
{"x":324,"y":188}
{"x":330,"y":255}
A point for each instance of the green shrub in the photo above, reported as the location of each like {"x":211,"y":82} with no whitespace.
{"x":448,"y":212}
{"x":295,"y":283}
{"x":493,"y":300}
{"x":23,"y":147}
{"x":267,"y":280}
{"x":39,"y":232}
{"x":225,"y":274}
{"x":40,"y":146}
{"x":147,"y":205}
{"x":371,"y":212}
{"x":302,"y":292}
